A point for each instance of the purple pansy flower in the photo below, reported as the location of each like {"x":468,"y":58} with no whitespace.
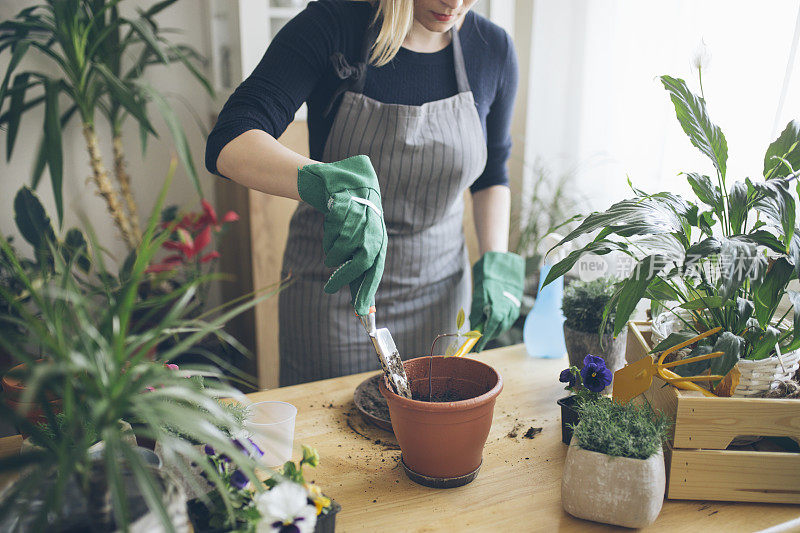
{"x":255,"y":450}
{"x":567,"y":377}
{"x":209,"y":450}
{"x":595,"y":375}
{"x":239,"y":480}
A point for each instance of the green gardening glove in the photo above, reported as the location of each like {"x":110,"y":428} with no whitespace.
{"x":354,"y":233}
{"x":498,"y":280}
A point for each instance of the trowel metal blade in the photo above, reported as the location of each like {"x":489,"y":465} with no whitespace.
{"x":390,"y":360}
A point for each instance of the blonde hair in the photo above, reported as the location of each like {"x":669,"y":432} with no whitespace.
{"x":396,"y":18}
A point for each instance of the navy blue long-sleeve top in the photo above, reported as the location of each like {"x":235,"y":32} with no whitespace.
{"x":298,"y":67}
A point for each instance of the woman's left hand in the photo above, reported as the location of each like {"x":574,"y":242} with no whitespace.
{"x":498,"y":281}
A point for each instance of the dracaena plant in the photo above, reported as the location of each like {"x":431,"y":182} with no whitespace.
{"x":724,"y":259}
{"x":100,"y":58}
{"x":104,"y":371}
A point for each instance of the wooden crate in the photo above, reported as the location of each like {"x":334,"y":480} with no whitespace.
{"x":701,"y":464}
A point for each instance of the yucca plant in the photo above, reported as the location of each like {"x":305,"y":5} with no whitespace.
{"x":101,"y":56}
{"x":80,"y":324}
{"x":726,"y":260}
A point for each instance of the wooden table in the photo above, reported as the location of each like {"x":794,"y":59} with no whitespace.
{"x":518,"y":488}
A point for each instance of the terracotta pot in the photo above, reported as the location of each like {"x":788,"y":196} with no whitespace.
{"x":13,"y":385}
{"x":613,"y":490}
{"x":442,"y":442}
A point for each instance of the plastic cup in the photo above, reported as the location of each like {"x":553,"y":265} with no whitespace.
{"x":272,"y":426}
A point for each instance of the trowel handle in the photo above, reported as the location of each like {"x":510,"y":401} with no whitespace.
{"x":368,"y":321}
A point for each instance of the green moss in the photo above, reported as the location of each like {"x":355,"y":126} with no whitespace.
{"x":583,"y":304}
{"x":629,"y":430}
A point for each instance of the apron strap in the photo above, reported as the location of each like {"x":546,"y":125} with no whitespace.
{"x":354,"y":77}
{"x":458,"y":59}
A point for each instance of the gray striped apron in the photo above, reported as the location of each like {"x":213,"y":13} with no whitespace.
{"x":425,"y":157}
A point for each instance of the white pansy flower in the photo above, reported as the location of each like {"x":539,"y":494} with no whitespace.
{"x":285,"y":508}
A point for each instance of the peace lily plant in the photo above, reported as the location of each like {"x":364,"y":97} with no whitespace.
{"x":723,"y":260}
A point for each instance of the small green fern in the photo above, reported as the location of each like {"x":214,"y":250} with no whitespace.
{"x":629,"y":430}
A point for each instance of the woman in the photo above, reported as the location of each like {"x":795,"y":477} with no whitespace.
{"x":409,"y":104}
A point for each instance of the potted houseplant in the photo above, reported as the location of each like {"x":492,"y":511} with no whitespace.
{"x":36,"y":229}
{"x":585,"y":384}
{"x":289,"y":502}
{"x":614,"y":470}
{"x":723,"y":261}
{"x":453,"y":402}
{"x":80,"y":322}
{"x":585,"y":330}
{"x":101,"y":56}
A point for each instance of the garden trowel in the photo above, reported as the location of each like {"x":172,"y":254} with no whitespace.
{"x":635,"y":378}
{"x":388,"y":355}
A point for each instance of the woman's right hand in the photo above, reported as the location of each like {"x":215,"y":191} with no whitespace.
{"x":354,"y":239}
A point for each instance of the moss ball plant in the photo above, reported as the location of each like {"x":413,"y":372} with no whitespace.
{"x":629,"y":430}
{"x":583,"y":304}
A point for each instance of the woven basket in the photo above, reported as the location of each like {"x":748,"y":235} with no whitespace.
{"x":760,"y":376}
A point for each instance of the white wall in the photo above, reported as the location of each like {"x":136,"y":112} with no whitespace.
{"x":147,"y":171}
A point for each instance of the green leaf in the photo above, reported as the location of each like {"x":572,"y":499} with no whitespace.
{"x":739,"y":259}
{"x":15,"y":110}
{"x":175,"y":128}
{"x":783,"y":155}
{"x":731,"y":345}
{"x":75,"y":248}
{"x":125,"y":96}
{"x":187,"y":62}
{"x":776,"y":203}
{"x":634,"y":288}
{"x":794,"y":297}
{"x":765,"y":345}
{"x":19,"y":52}
{"x":601,"y":247}
{"x":52,"y":144}
{"x":32,"y":220}
{"x":674,"y":339}
{"x":706,"y":192}
{"x":146,"y":33}
{"x":768,"y":292}
{"x":40,"y":162}
{"x":700,"y":250}
{"x":693,"y":117}
{"x":650,"y":215}
{"x":737,"y":206}
{"x":460,"y":319}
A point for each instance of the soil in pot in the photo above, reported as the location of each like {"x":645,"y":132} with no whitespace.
{"x":442,"y":441}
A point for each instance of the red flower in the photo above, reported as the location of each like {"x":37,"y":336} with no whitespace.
{"x":209,"y":216}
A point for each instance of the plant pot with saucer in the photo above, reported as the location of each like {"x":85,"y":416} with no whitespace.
{"x":443,"y":429}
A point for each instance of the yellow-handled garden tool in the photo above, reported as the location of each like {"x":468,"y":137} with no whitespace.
{"x":635,"y":378}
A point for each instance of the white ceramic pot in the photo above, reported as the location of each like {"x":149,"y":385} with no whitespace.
{"x":613,"y":490}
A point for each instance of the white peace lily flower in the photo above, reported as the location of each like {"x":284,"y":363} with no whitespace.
{"x":285,"y":508}
{"x":702,"y":57}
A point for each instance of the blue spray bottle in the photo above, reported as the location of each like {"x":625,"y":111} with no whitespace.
{"x":543,"y":332}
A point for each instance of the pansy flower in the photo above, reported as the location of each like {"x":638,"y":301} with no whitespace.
{"x":595,"y":375}
{"x":568,"y":376}
{"x":285,"y":509}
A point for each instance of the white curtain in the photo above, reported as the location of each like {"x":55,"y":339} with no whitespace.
{"x":596,"y":107}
